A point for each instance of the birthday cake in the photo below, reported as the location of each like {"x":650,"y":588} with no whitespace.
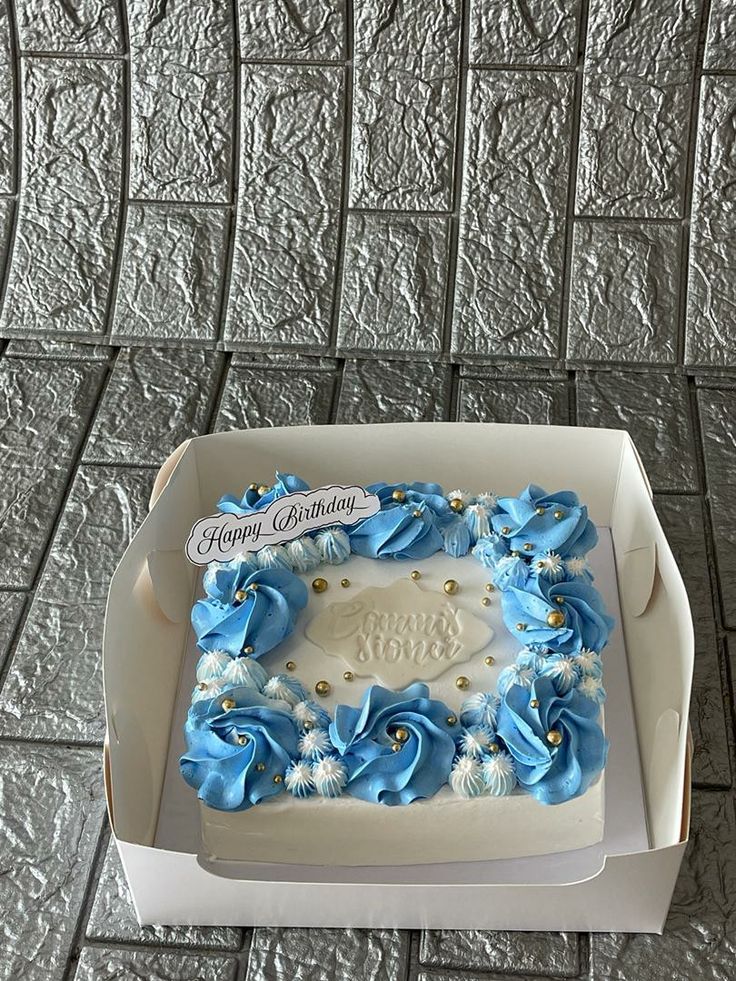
{"x":437,"y":654}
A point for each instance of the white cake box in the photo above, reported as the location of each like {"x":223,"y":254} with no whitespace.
{"x":147,"y":635}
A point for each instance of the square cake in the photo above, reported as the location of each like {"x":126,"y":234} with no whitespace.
{"x":395,"y":675}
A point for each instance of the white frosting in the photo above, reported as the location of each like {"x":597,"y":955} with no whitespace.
{"x":329,"y":776}
{"x":476,"y":740}
{"x":212,"y":664}
{"x":589,"y":662}
{"x":304,"y":555}
{"x":282,"y":687}
{"x":306,"y":712}
{"x":466,"y":777}
{"x":484,"y":704}
{"x":592,"y":687}
{"x":488,"y":499}
{"x":298,"y":779}
{"x":245,"y":672}
{"x":577,"y":566}
{"x":274,"y":557}
{"x":549,"y":565}
{"x":563,"y":670}
{"x":211,"y":689}
{"x":314,"y":744}
{"x":460,"y":495}
{"x":499,"y":774}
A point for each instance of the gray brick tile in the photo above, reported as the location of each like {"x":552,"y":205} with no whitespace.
{"x":699,"y":942}
{"x":287,"y":361}
{"x":254,"y":398}
{"x":67,"y":223}
{"x":633,"y":141}
{"x":108,"y":964}
{"x":520,"y":953}
{"x":714,"y":183}
{"x":301,"y":30}
{"x":404,"y":104}
{"x":53,"y":689}
{"x":718,"y":426}
{"x":684,"y":524}
{"x":53,"y":806}
{"x":90,"y":27}
{"x":393,"y":391}
{"x":540,"y":32}
{"x":720,"y":48}
{"x":51,"y":349}
{"x":112,"y":917}
{"x":324,"y":955}
{"x":518,"y":401}
{"x":711,"y":294}
{"x":11,"y":608}
{"x":393,"y":291}
{"x":177,"y":388}
{"x":508,"y":289}
{"x":181,"y":56}
{"x":624,"y":294}
{"x":7,"y":95}
{"x":172,"y":273}
{"x":645,"y":38}
{"x":654,"y":409}
{"x":282,"y":285}
{"x":45,"y":408}
{"x":6,"y":219}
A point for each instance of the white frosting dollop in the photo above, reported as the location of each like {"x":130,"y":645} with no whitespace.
{"x":298,"y":779}
{"x":476,"y":740}
{"x":303,"y":555}
{"x":286,"y":689}
{"x":480,"y":708}
{"x":245,"y":672}
{"x":488,"y":499}
{"x":329,"y":776}
{"x":211,"y":690}
{"x":577,"y":565}
{"x":333,"y":545}
{"x":466,"y":777}
{"x":314,"y":744}
{"x":592,"y":688}
{"x":274,"y":557}
{"x":460,"y":495}
{"x":549,"y":565}
{"x":212,"y":664}
{"x":499,"y":774}
{"x":589,"y":662}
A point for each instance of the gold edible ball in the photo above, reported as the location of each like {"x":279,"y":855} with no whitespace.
{"x":521,"y":626}
{"x":323,"y":688}
{"x":528,"y":546}
{"x":415,"y":574}
{"x":494,"y":748}
{"x":539,"y":510}
{"x":253,"y":586}
{"x":451,"y":586}
{"x":248,"y":650}
{"x":348,"y":676}
{"x":291,"y":665}
{"x":559,"y":515}
{"x":489,"y":587}
{"x":240,"y":595}
{"x":559,"y":600}
{"x":457,"y":505}
{"x":485,"y":601}
{"x":401,"y":735}
{"x":202,"y":686}
{"x":534,"y":703}
{"x":344,"y":583}
{"x":263,"y":489}
{"x":399,"y":495}
{"x":253,"y":487}
{"x":490,"y":660}
{"x":505,"y":530}
{"x":278,"y":778}
{"x":395,"y":747}
{"x":260,"y":767}
{"x":417,"y":513}
{"x":319,"y":585}
{"x":462,"y":682}
{"x":227,"y":704}
{"x":308,"y":726}
{"x":554,"y":737}
{"x":452,"y":720}
{"x":555,"y":619}
{"x":242,"y":739}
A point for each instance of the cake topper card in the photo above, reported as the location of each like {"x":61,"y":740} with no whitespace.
{"x":220,"y":537}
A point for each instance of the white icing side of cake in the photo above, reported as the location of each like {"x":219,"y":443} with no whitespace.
{"x":446,"y":828}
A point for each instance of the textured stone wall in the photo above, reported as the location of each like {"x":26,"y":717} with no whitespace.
{"x":263,"y":212}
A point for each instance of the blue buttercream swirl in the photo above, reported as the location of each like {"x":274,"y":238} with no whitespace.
{"x":365,"y":737}
{"x":251,"y":500}
{"x":233,"y":755}
{"x":586,"y":624}
{"x":546,"y":522}
{"x":430,"y":495}
{"x":273,"y":599}
{"x":402,"y":531}
{"x":552,"y":773}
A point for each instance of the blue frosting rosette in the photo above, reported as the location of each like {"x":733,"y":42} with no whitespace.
{"x":536,"y":521}
{"x":367,"y":739}
{"x":260,"y":612}
{"x":556,"y":740}
{"x":406,"y":531}
{"x":256,"y":497}
{"x":239,"y":745}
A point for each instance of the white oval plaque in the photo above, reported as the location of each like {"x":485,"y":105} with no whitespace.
{"x":399,"y":634}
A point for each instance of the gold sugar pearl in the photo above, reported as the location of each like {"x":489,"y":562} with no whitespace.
{"x":560,"y":600}
{"x":457,"y":505}
{"x":489,"y":587}
{"x":401,"y":735}
{"x":240,"y":595}
{"x":260,"y":767}
{"x":462,"y":682}
{"x":278,"y":778}
{"x":348,"y":676}
{"x":263,"y":489}
{"x":485,"y":601}
{"x":319,"y":585}
{"x":521,"y":626}
{"x":555,"y":619}
{"x":452,"y":720}
{"x":253,"y":586}
{"x":515,"y":554}
{"x":399,"y":495}
{"x":248,"y":650}
{"x":344,"y":583}
{"x":415,"y":574}
{"x":490,"y":660}
{"x":528,"y":547}
{"x":308,"y":726}
{"x":291,"y":665}
{"x":451,"y":586}
{"x":395,"y":747}
{"x":242,"y":739}
{"x":534,"y":703}
{"x":323,"y":688}
{"x":202,"y":686}
{"x":554,"y":737}
{"x":253,"y":487}
{"x":494,"y":748}
{"x":559,"y":515}
{"x":417,"y":513}
{"x":539,"y":510}
{"x":227,"y":704}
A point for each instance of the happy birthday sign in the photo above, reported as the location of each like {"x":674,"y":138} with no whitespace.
{"x":220,"y":537}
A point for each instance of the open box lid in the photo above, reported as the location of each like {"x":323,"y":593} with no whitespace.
{"x":150,"y":595}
